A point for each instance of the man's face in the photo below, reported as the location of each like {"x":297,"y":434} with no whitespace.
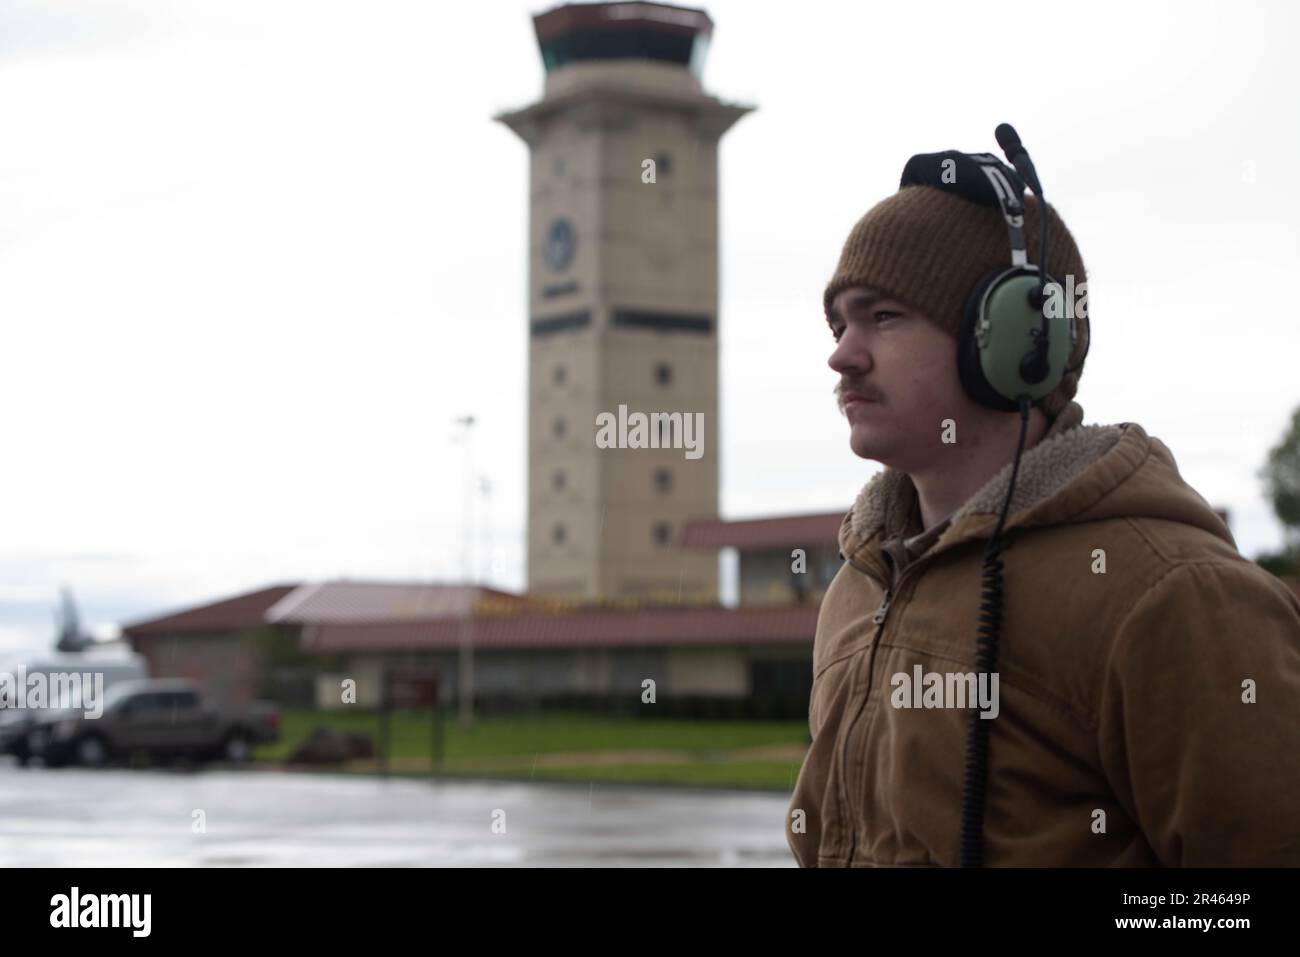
{"x":889,"y":353}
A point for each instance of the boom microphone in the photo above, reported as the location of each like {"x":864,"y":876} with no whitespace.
{"x":1017,"y":156}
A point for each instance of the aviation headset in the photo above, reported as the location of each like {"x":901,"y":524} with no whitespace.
{"x":1010,"y":352}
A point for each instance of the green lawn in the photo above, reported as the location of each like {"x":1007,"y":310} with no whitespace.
{"x":774,"y":775}
{"x":574,"y":746}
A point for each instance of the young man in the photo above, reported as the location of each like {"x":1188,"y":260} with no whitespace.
{"x":1146,"y":708}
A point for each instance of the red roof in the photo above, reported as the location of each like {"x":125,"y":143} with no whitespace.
{"x":229,"y":614}
{"x":750,"y":534}
{"x":700,"y":626}
{"x":350,"y":602}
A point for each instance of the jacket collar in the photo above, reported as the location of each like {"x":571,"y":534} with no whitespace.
{"x":883,"y":509}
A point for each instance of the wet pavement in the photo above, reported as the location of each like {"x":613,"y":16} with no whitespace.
{"x":79,"y":818}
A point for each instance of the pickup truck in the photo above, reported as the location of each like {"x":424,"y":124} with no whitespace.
{"x":163,"y":718}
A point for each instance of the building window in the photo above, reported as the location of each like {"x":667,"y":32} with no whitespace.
{"x":557,"y":534}
{"x":663,"y":533}
{"x":663,"y":165}
{"x":558,"y":480}
{"x":663,"y":373}
{"x":799,"y":586}
{"x":830,"y":565}
{"x":558,"y":427}
{"x":559,"y":375}
{"x":663,"y":480}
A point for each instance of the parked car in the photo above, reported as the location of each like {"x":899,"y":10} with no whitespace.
{"x":15,"y":724}
{"x":163,"y":719}
{"x":114,"y":665}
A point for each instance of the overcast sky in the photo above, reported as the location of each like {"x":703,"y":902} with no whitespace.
{"x":256,"y":256}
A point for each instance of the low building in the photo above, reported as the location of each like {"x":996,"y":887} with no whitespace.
{"x":786,"y":560}
{"x":703,"y":660}
{"x":225,"y":646}
{"x":298,"y":644}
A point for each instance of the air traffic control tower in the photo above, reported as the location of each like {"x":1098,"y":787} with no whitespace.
{"x":623,"y":298}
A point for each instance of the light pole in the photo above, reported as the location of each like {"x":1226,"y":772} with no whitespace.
{"x":485,"y":490}
{"x":465,"y":684}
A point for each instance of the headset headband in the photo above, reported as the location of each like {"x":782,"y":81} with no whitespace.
{"x":980,"y":178}
{"x":1013,"y":210}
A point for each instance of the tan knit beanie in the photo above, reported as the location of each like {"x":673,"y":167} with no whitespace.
{"x":929,"y":248}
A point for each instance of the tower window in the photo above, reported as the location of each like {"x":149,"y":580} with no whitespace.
{"x":558,"y":428}
{"x":663,"y":373}
{"x":557,"y":534}
{"x":558,"y":480}
{"x":663,"y":533}
{"x":663,"y":480}
{"x":559,"y":375}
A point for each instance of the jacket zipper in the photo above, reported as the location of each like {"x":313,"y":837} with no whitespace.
{"x":883,"y":611}
{"x":879,"y":619}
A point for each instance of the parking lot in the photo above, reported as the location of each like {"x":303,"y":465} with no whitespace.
{"x":72,"y":817}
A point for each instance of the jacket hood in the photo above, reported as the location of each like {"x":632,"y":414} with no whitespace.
{"x":1076,"y":473}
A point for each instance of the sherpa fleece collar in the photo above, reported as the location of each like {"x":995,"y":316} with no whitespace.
{"x":1068,"y":448}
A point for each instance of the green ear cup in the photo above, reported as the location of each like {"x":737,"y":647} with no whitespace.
{"x":1008,"y":327}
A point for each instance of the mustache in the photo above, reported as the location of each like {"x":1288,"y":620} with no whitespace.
{"x":866,"y":391}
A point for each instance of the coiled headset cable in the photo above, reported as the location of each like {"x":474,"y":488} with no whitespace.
{"x":986,"y":658}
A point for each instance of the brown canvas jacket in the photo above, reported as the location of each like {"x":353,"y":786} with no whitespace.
{"x":1148,"y":674}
